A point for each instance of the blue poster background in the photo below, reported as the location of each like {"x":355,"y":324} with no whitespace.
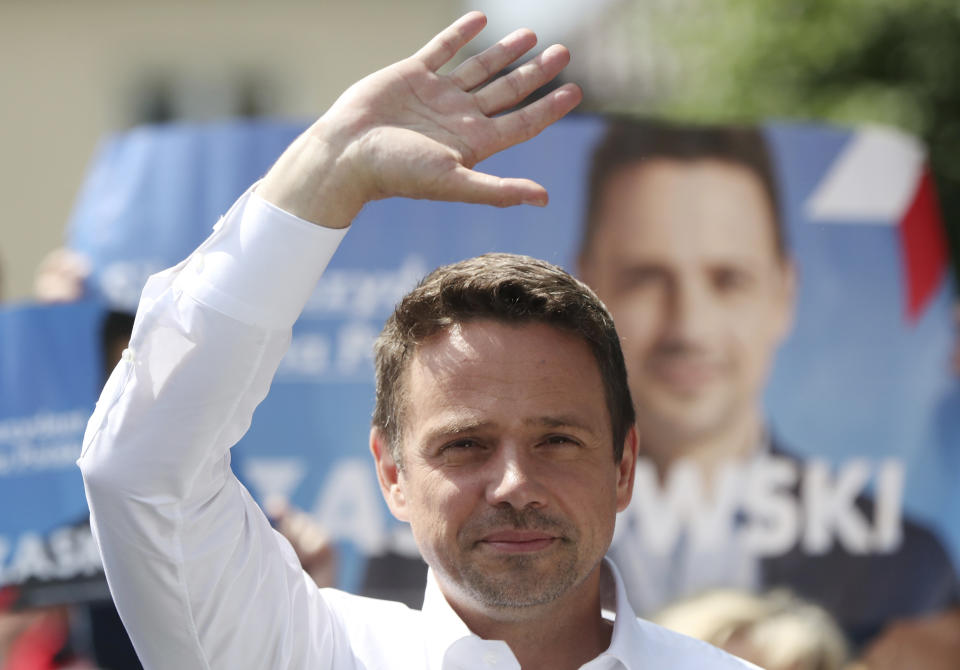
{"x":855,"y":377}
{"x":50,"y":374}
{"x":47,"y":390}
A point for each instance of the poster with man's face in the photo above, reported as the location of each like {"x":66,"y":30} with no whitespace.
{"x":767,"y":370}
{"x":782,"y":299}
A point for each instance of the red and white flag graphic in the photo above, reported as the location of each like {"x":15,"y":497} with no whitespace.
{"x":882,"y":178}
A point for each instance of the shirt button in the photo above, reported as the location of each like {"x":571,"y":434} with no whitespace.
{"x":127,"y":355}
{"x":198,"y":262}
{"x":490,"y":658}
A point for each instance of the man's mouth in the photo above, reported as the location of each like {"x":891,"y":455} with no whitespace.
{"x":518,"y":541}
{"x":684,"y":376}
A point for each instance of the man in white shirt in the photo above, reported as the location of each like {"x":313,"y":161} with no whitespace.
{"x":503,"y":430}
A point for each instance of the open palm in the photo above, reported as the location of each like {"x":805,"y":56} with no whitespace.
{"x":418,"y":133}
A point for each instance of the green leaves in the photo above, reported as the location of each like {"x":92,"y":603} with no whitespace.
{"x":894,"y":62}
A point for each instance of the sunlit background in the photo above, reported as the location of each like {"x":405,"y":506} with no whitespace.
{"x":73,"y":72}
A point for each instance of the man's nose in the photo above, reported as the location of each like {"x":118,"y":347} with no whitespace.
{"x":514,"y":479}
{"x":690,"y":311}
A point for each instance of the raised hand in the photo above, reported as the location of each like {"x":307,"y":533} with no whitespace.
{"x":409,"y":131}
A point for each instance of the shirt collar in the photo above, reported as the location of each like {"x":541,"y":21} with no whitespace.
{"x":451,"y":643}
{"x":626,"y":643}
{"x":445,"y":626}
{"x":450,"y":636}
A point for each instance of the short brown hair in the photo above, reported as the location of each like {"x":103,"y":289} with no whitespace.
{"x":507,"y":288}
{"x":629,"y":141}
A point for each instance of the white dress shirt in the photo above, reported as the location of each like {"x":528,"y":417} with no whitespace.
{"x":200,"y":578}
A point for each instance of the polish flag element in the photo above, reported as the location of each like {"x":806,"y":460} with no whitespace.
{"x":881,"y":178}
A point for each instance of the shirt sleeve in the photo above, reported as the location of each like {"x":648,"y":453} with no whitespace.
{"x":198,"y":575}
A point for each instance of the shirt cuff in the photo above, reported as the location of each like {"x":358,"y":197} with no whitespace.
{"x":261,"y":263}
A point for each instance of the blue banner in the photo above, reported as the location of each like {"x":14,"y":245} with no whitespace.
{"x":863,"y":376}
{"x":51,"y":375}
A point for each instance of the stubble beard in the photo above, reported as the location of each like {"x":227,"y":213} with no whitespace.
{"x":519,"y":580}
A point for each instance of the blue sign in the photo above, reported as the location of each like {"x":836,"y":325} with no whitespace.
{"x":864,"y":373}
{"x":51,"y":375}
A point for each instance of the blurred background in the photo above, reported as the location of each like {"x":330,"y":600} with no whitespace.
{"x":73,"y":72}
{"x":76,"y":74}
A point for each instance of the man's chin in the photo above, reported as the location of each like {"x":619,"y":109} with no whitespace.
{"x":519,"y":581}
{"x":681,"y":421}
{"x":512,"y":595}
{"x":502,"y":564}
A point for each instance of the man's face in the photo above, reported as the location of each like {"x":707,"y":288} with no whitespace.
{"x":508,"y":477}
{"x":684,"y":257}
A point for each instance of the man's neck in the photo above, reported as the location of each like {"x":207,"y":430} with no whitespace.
{"x":737,"y":441}
{"x":566,"y":633}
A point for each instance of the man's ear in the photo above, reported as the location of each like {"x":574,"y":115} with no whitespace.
{"x":626,"y":469}
{"x":388,"y":474}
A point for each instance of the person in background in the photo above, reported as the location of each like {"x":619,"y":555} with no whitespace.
{"x":775,"y":630}
{"x":37,"y":638}
{"x":684,"y":244}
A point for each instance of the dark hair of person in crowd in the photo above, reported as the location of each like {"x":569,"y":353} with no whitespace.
{"x":115,"y":332}
{"x":509,"y":289}
{"x":630,"y":141}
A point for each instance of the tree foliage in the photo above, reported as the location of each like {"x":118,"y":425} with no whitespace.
{"x":895,"y":62}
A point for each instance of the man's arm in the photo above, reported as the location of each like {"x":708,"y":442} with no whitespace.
{"x":199,"y":577}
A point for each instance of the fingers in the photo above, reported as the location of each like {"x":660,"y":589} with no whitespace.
{"x":276,"y":508}
{"x":61,"y":276}
{"x":512,"y":88}
{"x":449,"y":41}
{"x":479,"y":69}
{"x":306,"y":535}
{"x":308,"y":539}
{"x":522,"y":124}
{"x":485,"y":189}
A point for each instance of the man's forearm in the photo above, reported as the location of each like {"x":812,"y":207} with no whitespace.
{"x":312,"y":179}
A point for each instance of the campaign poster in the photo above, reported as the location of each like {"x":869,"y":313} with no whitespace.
{"x":789,"y":360}
{"x":50,"y":374}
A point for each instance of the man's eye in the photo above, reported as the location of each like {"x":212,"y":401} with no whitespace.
{"x":461,"y":447}
{"x":460,"y":444}
{"x":730,"y":279}
{"x":561,"y":440}
{"x":463,"y":452}
{"x":639,"y":278}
